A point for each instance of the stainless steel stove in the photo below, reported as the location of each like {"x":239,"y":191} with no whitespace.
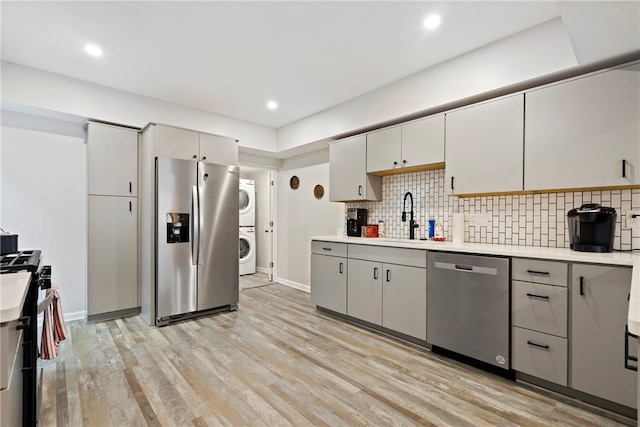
{"x":29,"y":261}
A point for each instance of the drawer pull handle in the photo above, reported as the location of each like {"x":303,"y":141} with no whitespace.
{"x":388,"y":275}
{"x":326,"y":249}
{"x":544,"y":346}
{"x":546,"y":273}
{"x":537,"y":296}
{"x":581,"y":285}
{"x":341,"y":268}
{"x":375,"y":273}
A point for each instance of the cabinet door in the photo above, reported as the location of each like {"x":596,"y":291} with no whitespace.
{"x":423,"y":141}
{"x":113,"y":254}
{"x":329,"y":282}
{"x":112,"y":160}
{"x":485,"y":147}
{"x":177,"y":143}
{"x":218,"y":149}
{"x":404,"y":300}
{"x":579,"y":132}
{"x":348,"y":178}
{"x":384,"y":149}
{"x":364,"y":295}
{"x":599,"y":316}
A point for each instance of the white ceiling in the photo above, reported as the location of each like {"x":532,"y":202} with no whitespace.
{"x":230,"y":58}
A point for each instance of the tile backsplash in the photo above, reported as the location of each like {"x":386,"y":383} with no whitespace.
{"x":527,"y":220}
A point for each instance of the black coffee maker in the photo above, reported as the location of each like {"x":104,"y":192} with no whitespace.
{"x":356,"y":218}
{"x":591,"y":228}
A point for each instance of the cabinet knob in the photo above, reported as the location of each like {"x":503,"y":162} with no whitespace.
{"x":404,"y":162}
{"x":204,"y":157}
{"x":395,"y":163}
{"x":195,"y":157}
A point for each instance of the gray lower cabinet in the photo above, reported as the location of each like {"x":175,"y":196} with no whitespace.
{"x":387,"y":294}
{"x":539,"y":318}
{"x":364,"y":299}
{"x":112,"y":255}
{"x":404,"y":300}
{"x":329,"y":276}
{"x":599,"y":297}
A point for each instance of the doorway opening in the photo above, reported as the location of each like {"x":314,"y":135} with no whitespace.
{"x":264,"y":182}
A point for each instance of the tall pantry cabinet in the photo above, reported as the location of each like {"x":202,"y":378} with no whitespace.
{"x":112,"y":163}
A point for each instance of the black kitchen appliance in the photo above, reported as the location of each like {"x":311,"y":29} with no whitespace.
{"x":591,"y":228}
{"x":8,"y":243}
{"x":29,"y":261}
{"x":356,"y":218}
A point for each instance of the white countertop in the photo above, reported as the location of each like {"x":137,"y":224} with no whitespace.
{"x":559,"y":254}
{"x":13,"y":292}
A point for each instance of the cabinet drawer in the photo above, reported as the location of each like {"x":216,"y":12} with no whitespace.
{"x":541,"y":308}
{"x":10,"y":343}
{"x":540,"y":355}
{"x":400,"y":256}
{"x":328,"y":248}
{"x":546,"y":272}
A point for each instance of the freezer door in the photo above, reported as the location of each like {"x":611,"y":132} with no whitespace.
{"x":176,"y":269}
{"x":218,"y":254}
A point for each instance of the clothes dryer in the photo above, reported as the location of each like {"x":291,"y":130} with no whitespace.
{"x":247,"y":250}
{"x":247,"y":203}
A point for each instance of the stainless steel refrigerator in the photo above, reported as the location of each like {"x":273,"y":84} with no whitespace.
{"x":196,"y":238}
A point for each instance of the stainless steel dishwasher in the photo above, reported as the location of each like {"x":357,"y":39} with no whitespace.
{"x":468,"y":306}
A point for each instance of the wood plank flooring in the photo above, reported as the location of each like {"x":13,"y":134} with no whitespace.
{"x":278,"y":362}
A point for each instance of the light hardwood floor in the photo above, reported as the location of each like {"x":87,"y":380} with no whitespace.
{"x":275,"y":362}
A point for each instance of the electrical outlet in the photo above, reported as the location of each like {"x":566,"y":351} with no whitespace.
{"x":478,"y":220}
{"x":631,"y":221}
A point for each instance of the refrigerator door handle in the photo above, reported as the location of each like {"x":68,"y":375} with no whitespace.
{"x":195,"y":226}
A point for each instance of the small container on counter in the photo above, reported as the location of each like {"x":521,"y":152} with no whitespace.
{"x":381,"y":228}
{"x":369,"y":231}
{"x":432,"y":229}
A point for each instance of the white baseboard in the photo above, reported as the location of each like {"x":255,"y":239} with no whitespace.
{"x":295,"y":285}
{"x":78,"y":315}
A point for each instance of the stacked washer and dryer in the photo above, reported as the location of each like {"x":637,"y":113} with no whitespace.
{"x":247,"y":252}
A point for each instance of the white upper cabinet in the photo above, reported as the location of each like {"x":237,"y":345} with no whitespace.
{"x":348,"y":178}
{"x":411,"y":145}
{"x":384,"y":149}
{"x":423,"y":141}
{"x":186,"y":144}
{"x":585,"y":132}
{"x":484,"y":147}
{"x":112,"y":157}
{"x":218,"y":149}
{"x":177,"y":143}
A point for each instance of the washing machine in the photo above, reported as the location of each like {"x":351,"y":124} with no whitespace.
{"x":247,"y":203}
{"x":247,"y":250}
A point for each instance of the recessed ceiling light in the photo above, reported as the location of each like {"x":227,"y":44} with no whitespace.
{"x":93,"y":50}
{"x":272,"y":105}
{"x":431,"y":22}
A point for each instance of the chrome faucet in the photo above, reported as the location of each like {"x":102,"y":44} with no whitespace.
{"x":412,"y":224}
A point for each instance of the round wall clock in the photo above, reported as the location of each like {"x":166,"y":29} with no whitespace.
{"x":318,"y":191}
{"x":294,"y":182}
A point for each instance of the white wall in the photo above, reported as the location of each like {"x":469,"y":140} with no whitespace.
{"x":44,"y":200}
{"x":28,"y":87}
{"x":299,"y":216}
{"x":541,"y":50}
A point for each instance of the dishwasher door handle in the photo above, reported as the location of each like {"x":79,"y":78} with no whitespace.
{"x":466,"y":268}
